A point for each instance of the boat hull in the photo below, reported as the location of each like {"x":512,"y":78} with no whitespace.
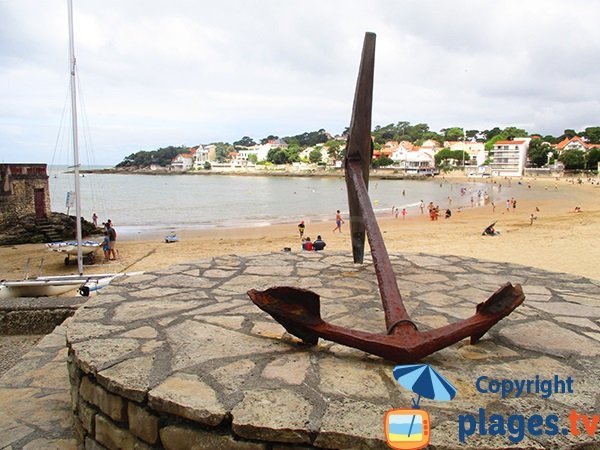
{"x":57,"y":285}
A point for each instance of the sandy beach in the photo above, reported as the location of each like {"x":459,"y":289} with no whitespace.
{"x":559,"y":239}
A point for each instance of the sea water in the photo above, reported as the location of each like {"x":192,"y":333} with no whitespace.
{"x":136,"y":202}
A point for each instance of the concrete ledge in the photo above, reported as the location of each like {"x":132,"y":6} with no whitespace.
{"x":182,"y":355}
{"x":36,"y":315}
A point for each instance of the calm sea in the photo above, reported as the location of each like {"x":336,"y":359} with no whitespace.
{"x":164,"y":202}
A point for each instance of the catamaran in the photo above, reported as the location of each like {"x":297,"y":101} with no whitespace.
{"x":56,"y":285}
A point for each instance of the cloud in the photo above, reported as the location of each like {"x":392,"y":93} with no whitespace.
{"x":154,"y":74}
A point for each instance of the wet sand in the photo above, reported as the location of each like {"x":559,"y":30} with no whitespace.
{"x":558,"y":240}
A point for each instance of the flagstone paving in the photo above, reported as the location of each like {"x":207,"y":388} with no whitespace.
{"x":181,"y":358}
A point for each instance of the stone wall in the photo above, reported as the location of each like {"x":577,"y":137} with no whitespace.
{"x":127,"y":422}
{"x":18,"y":183}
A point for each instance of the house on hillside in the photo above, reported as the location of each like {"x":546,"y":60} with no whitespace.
{"x":509,"y":157}
{"x":401,"y":150}
{"x":204,"y":154}
{"x":431,"y":146}
{"x":305,"y":154}
{"x":475,"y":150}
{"x":24,"y":191}
{"x":574,"y":143}
{"x":182,"y":162}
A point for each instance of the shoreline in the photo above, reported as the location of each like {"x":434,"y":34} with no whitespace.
{"x":559,"y":239}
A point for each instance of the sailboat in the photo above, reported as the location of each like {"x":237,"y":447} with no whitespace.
{"x":56,"y":285}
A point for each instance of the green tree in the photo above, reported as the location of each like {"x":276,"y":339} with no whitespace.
{"x":568,"y":133}
{"x":592,"y":134}
{"x":222,"y":150}
{"x":308,"y":139}
{"x":514,"y":132}
{"x":278,"y":156}
{"x":207,"y":165}
{"x":453,"y":134}
{"x":449,"y":157}
{"x":334,"y":149}
{"x":573,"y":159}
{"x":593,"y":157}
{"x":382,"y":162}
{"x":246,"y":141}
{"x":161,"y":157}
{"x":252,"y":158}
{"x":490,"y":134}
{"x":269,"y":138}
{"x":472,"y":134}
{"x":538,"y":152}
{"x":315,"y":156}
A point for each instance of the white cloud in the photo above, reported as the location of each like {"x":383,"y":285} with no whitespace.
{"x":187,"y":72}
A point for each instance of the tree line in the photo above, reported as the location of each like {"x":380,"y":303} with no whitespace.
{"x":401,"y":131}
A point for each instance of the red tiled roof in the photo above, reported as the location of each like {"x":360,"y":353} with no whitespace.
{"x":566,"y":141}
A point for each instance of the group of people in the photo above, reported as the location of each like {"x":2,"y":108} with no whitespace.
{"x":110,"y":238}
{"x":316,"y":245}
{"x":307,"y":244}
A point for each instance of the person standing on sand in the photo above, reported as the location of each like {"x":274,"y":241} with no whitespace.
{"x":338,"y":221}
{"x":112,"y":239}
{"x":301,"y":228}
{"x":422,"y":206}
{"x":95,"y":219}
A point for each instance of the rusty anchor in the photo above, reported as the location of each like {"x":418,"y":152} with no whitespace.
{"x":298,"y":310}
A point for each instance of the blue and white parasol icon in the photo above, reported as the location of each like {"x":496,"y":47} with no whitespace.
{"x":425,"y":381}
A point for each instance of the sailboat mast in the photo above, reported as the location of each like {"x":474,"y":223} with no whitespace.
{"x":72,"y":63}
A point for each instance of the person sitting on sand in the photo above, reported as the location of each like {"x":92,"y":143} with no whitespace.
{"x":577,"y":209}
{"x":307,"y":245}
{"x":318,"y":244}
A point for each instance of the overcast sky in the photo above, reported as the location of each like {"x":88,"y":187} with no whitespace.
{"x":158,"y":73}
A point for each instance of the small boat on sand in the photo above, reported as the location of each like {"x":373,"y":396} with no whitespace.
{"x":171,"y":238}
{"x":69,"y":248}
{"x":55,"y":285}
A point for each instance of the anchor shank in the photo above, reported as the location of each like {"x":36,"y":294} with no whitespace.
{"x":386,"y":279}
{"x":359,"y":146}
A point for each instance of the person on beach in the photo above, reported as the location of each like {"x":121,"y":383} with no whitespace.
{"x":403,"y":213}
{"x":531,"y":218}
{"x":422,"y":206}
{"x":318,"y":244}
{"x":307,"y":245}
{"x":301,"y":228}
{"x":112,"y":239}
{"x":95,"y":219}
{"x":106,"y":246}
{"x":338,"y":221}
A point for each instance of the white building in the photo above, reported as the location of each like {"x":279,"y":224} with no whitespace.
{"x":183,"y":162}
{"x":475,"y":150}
{"x":305,"y":154}
{"x":204,"y":154}
{"x":509,"y":157}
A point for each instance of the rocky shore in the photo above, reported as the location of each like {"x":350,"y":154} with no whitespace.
{"x":30,"y":230}
{"x":271,"y":171}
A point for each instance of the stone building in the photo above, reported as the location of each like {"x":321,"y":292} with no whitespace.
{"x":24,"y":191}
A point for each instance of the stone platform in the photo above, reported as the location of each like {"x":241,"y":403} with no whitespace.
{"x":181,"y":358}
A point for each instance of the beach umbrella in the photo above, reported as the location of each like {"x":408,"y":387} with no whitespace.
{"x":425,"y":381}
